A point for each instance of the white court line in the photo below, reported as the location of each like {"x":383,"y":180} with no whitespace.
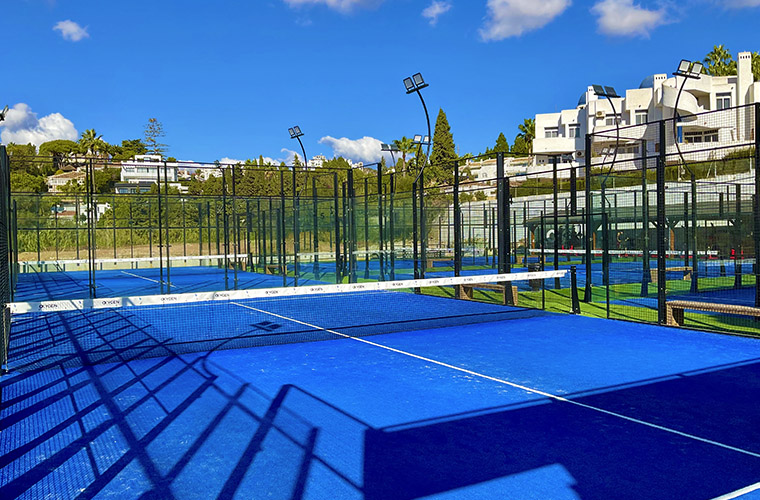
{"x":517,"y":386}
{"x":738,"y":493}
{"x":147,"y":279}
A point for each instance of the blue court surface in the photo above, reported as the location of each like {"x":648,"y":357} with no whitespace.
{"x":537,"y":406}
{"x":148,"y":281}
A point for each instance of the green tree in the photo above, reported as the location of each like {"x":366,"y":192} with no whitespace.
{"x":502,"y":146}
{"x":528,"y":132}
{"x":128,"y":149}
{"x":519,"y":146}
{"x":756,"y":66}
{"x":406,"y":146}
{"x":154,"y":131}
{"x":444,"y":152}
{"x":24,"y":182}
{"x":91,"y":143}
{"x":22,"y":158}
{"x":720,"y":62}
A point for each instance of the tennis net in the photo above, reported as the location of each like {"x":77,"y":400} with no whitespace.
{"x":91,"y":331}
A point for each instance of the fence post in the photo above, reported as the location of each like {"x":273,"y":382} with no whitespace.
{"x":646,"y":276}
{"x":457,"y":230}
{"x":589,"y":227}
{"x":756,"y":232}
{"x":661,"y":258}
{"x":501,"y":212}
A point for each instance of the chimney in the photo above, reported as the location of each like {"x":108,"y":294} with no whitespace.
{"x":744,"y":78}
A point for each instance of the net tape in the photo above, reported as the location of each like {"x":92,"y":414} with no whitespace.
{"x":187,"y":298}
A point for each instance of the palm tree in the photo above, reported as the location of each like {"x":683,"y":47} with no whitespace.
{"x":528,"y":131}
{"x":406,"y":146}
{"x":91,"y":142}
{"x":720,"y":62}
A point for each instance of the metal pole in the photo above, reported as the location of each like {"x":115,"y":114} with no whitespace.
{"x":338,"y":264}
{"x":646,"y":276}
{"x":756,"y":233}
{"x":380,"y":225}
{"x":661,"y":260}
{"x":296,"y":228}
{"x":315,"y":223}
{"x":555,"y":201}
{"x":589,"y":228}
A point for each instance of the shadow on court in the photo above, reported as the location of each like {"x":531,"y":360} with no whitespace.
{"x":177,"y":427}
{"x":600,"y":456}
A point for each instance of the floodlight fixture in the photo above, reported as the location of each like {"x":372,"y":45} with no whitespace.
{"x":5,"y":112}
{"x":414,"y":83}
{"x":295,"y":132}
{"x":389,"y":147}
{"x":608,"y":92}
{"x":417,"y":139}
{"x":409,"y":84}
{"x":688,"y":69}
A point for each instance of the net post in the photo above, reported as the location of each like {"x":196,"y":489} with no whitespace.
{"x":589,"y":226}
{"x":575,"y":302}
{"x":661,"y":222}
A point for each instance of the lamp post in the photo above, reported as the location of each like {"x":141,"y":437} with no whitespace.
{"x":389,"y":148}
{"x":608,"y":93}
{"x":295,"y":133}
{"x":688,"y":71}
{"x":415,"y":84}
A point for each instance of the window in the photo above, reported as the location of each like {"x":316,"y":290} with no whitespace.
{"x":610,"y":120}
{"x":723,"y":101}
{"x":551,"y":132}
{"x":701,"y":136}
{"x":574,"y":130}
{"x":642,"y":117}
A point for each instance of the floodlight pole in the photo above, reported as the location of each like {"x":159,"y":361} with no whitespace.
{"x":295,"y":133}
{"x":688,"y":70}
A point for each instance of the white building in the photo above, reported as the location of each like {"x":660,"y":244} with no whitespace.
{"x":564,"y":132}
{"x":143,"y":169}
{"x":56,"y":182}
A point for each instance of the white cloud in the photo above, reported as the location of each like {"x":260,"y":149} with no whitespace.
{"x":508,"y":18}
{"x":22,"y":126}
{"x":366,"y":149}
{"x":624,"y":18}
{"x":288,"y":159}
{"x":436,"y":9}
{"x":339,"y":5}
{"x":71,"y":31}
{"x":230,"y":161}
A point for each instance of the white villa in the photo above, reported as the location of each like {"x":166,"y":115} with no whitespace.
{"x":143,"y":169}
{"x":564,"y":132}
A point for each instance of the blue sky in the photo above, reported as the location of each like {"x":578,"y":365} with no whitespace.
{"x":227,"y":79}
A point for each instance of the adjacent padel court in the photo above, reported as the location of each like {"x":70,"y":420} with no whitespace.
{"x":369,"y":391}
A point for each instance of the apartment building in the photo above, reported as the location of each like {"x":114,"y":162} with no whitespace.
{"x":655,"y":99}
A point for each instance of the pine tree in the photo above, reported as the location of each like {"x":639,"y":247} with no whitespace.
{"x":154,"y":130}
{"x":444,"y":152}
{"x":502,"y":146}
